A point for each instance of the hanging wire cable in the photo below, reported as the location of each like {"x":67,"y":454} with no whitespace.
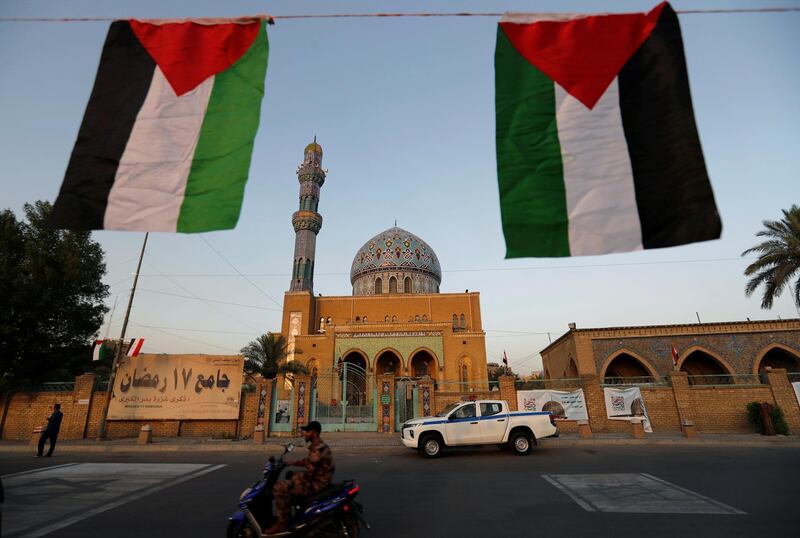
{"x":404,"y":15}
{"x":208,"y":304}
{"x":240,"y":273}
{"x":210,"y":300}
{"x":182,"y":337}
{"x":466,"y":270}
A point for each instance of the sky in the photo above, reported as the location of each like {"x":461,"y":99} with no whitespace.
{"x":404,"y":110}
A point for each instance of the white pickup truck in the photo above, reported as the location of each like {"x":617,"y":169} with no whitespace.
{"x":478,"y":422}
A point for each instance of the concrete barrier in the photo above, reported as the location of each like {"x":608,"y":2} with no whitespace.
{"x":688,"y":429}
{"x":584,"y":430}
{"x":145,"y":435}
{"x":258,"y":435}
{"x":637,"y":428}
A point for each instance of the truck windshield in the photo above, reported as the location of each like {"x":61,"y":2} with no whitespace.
{"x":446,"y":410}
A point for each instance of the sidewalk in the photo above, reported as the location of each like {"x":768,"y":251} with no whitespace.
{"x":372,"y":441}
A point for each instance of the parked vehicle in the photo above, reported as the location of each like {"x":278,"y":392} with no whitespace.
{"x":332,"y":512}
{"x":478,"y":422}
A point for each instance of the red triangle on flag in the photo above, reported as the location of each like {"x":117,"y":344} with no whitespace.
{"x":583,"y":55}
{"x":189,"y":52}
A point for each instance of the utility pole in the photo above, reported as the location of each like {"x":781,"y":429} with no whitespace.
{"x":101,"y":430}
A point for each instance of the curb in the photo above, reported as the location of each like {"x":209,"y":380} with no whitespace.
{"x":350,"y":444}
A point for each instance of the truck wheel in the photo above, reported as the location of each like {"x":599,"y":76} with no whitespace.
{"x":520,"y":443}
{"x":430,"y":446}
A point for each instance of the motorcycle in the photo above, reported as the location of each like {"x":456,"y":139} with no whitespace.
{"x":332,"y":512}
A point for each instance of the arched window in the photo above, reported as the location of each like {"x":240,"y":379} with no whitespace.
{"x":378,"y":286}
{"x":393,"y":285}
{"x":386,"y":319}
{"x":322,"y":325}
{"x":416,"y":318}
{"x":365,"y":319}
{"x":463,"y":322}
{"x":328,"y":321}
{"x":455,"y":322}
{"x":463,"y":372}
{"x":407,"y":287}
{"x":424,"y":317}
{"x":394,"y":319}
{"x":358,"y":319}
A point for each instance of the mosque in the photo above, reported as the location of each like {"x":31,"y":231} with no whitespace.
{"x":396,"y":321}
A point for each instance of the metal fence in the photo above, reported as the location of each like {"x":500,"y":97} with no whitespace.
{"x":466,"y":386}
{"x":57,"y":386}
{"x":639,"y":381}
{"x":566,"y":383}
{"x":717,"y":380}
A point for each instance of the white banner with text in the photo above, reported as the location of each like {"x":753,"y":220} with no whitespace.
{"x":564,"y":405}
{"x":624,"y":404}
{"x":177,"y":387}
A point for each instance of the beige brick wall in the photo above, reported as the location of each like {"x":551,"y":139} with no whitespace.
{"x":722,"y":409}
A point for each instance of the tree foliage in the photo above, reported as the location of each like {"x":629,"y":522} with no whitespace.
{"x":266,"y":355}
{"x":778,"y":258}
{"x":51,"y":299}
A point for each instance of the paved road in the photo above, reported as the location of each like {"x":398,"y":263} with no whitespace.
{"x":606,"y":491}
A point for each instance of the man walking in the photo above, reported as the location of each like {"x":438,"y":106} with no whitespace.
{"x":51,"y":431}
{"x":318,"y":475}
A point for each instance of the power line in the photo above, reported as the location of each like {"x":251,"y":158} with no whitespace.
{"x":208,"y":304}
{"x":211,"y":300}
{"x":466,"y":270}
{"x":182,"y":337}
{"x":403,"y":15}
{"x":240,"y":273}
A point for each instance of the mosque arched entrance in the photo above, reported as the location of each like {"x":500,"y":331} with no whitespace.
{"x":388,"y":362}
{"x":625,"y":368}
{"x":342,"y":397}
{"x":423,"y":364}
{"x":704,"y":369}
{"x":779,"y":358}
{"x":353,"y":374}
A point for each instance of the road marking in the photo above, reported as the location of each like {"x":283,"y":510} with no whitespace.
{"x":32,"y":471}
{"x":76,"y":492}
{"x":634,"y":493}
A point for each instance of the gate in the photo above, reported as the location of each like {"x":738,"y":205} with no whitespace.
{"x":405,"y":401}
{"x":343,"y":399}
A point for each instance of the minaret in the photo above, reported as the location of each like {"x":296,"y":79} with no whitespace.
{"x":306,"y":221}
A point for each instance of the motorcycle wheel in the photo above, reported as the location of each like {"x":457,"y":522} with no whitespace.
{"x":237,"y":530}
{"x":350,"y":527}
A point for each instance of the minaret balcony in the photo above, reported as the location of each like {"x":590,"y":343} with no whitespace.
{"x":307,"y":220}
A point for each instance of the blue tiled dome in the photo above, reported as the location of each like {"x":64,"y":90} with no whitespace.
{"x":396,"y":250}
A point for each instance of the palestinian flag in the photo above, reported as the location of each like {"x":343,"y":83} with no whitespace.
{"x":167,"y":136}
{"x":597,"y":148}
{"x":100,"y":351}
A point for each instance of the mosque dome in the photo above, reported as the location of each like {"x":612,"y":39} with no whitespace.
{"x":395,"y":261}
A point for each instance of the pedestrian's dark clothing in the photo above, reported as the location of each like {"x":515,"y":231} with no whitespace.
{"x":318,"y":476}
{"x":54,"y":422}
{"x":51,"y":432}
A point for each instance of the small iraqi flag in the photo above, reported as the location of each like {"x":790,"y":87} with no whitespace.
{"x":597,"y":147}
{"x":135,"y":346}
{"x":674,"y":356}
{"x":167,"y":137}
{"x":505,"y":359}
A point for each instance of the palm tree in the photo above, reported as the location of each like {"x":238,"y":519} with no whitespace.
{"x":778,"y":258}
{"x":266,"y":355}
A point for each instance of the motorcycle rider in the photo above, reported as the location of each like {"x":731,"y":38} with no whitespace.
{"x":318,"y":475}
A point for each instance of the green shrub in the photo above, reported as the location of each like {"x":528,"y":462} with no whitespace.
{"x":778,"y":420}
